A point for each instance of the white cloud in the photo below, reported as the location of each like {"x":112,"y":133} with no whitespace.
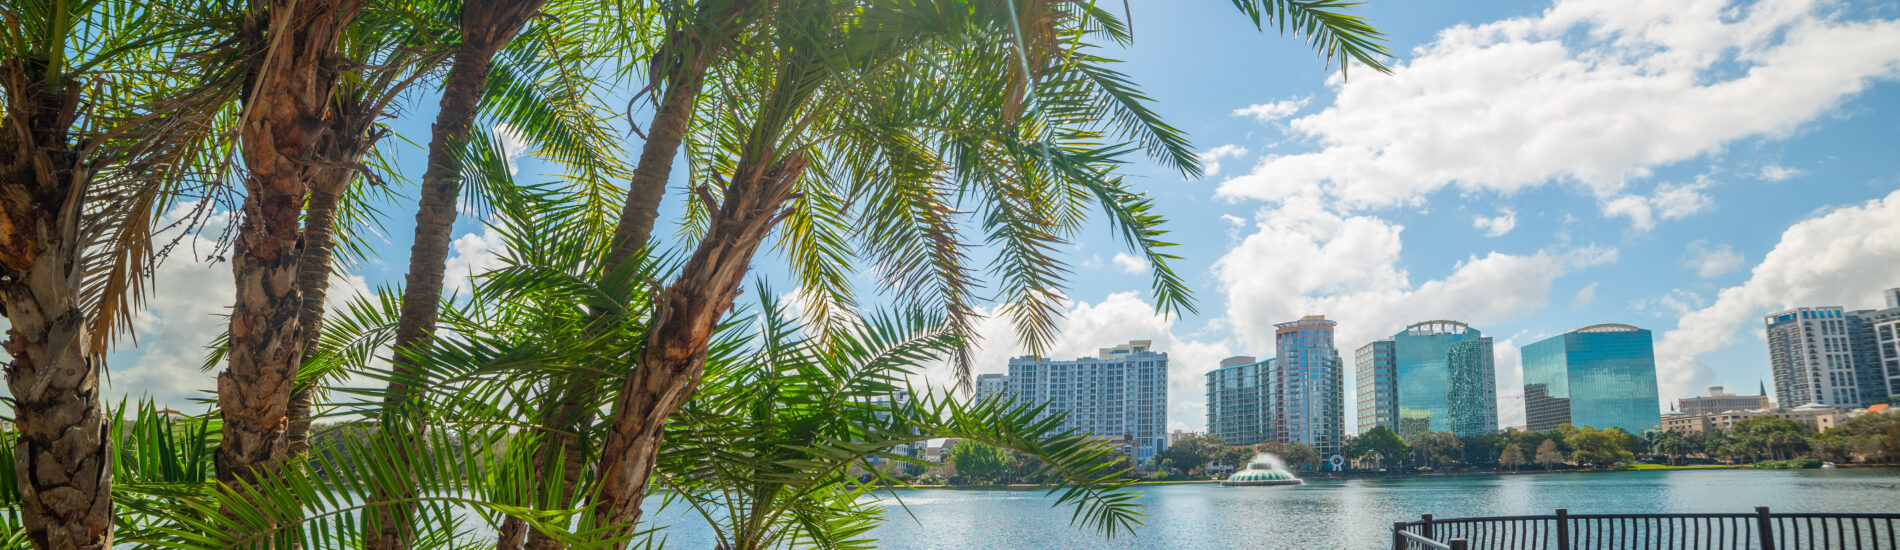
{"x":1496,"y":226}
{"x":1269,"y":112}
{"x":1843,"y":256}
{"x":513,"y":146}
{"x":1675,"y":303}
{"x":1304,"y":259}
{"x":472,"y":254}
{"x":1585,"y":296}
{"x":1236,"y":221}
{"x":1130,"y":264}
{"x":1210,"y":159}
{"x":1086,"y":327}
{"x":1776,"y":172}
{"x":1668,"y":202}
{"x":1711,"y":261}
{"x":1510,"y":378}
{"x":1595,"y":92}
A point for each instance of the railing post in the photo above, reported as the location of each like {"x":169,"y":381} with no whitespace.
{"x":1765,"y":527}
{"x":1427,"y":518}
{"x":1398,"y":535}
{"x":1563,"y":529}
{"x":1460,"y":544}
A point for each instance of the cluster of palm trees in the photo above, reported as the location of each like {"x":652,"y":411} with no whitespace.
{"x":869,"y":135}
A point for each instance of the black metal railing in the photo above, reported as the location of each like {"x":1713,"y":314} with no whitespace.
{"x":1762,"y":530}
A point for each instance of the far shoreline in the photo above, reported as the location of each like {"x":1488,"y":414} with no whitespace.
{"x":1407,"y":475}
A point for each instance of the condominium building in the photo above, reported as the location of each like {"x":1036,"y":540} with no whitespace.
{"x":1444,"y":379}
{"x":1378,"y":393}
{"x":989,"y":386}
{"x":1121,"y":392}
{"x":1600,"y":375}
{"x":1308,"y":384}
{"x":1240,"y":401}
{"x":1832,"y":356}
{"x":1720,"y":401}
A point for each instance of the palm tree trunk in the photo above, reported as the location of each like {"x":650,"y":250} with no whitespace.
{"x":487,"y":25}
{"x":313,"y":277}
{"x":683,"y":322}
{"x":61,"y":457}
{"x":282,"y":127}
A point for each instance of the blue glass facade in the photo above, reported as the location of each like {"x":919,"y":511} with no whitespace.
{"x":1240,"y":401}
{"x":1445,"y":379}
{"x":1309,"y":384}
{"x":1601,"y":376}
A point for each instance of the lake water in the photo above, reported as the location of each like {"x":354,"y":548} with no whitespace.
{"x":1351,"y":514}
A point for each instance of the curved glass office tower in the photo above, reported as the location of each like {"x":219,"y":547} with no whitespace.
{"x":1600,"y":375}
{"x":1446,"y":379}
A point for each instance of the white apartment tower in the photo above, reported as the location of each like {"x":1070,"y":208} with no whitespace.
{"x":1835,"y":357}
{"x":1122,"y":392}
{"x":990,"y":385}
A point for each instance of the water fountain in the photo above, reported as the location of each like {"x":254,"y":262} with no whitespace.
{"x":1265,"y":469}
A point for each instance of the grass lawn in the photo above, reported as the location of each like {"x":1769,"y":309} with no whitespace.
{"x":1668,"y":467}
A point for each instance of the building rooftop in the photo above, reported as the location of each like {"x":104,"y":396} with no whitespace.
{"x":1607,"y":327}
{"x":1437,"y":327}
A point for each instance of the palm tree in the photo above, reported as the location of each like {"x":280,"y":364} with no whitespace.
{"x":91,"y":151}
{"x":891,"y":116}
{"x":290,"y":63}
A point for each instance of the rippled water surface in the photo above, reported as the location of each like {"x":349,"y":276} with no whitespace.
{"x":1353,"y":514}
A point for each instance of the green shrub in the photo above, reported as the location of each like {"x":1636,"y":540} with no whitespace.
{"x":1796,"y":464}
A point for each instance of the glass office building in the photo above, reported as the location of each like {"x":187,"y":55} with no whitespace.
{"x":1240,"y":401}
{"x":1601,"y":376}
{"x":1445,"y":378}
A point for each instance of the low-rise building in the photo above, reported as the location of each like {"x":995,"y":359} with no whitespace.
{"x":1718,"y":401}
{"x":1820,"y":418}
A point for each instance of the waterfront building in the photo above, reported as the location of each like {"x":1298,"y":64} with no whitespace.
{"x":1122,"y":392}
{"x":1886,"y":337}
{"x":1817,"y":417}
{"x":990,"y":385}
{"x":1832,"y":356}
{"x":1442,"y":377}
{"x":1601,"y":376}
{"x":1718,"y":401}
{"x":1378,"y":394}
{"x":1308,"y":384}
{"x":1240,"y":401}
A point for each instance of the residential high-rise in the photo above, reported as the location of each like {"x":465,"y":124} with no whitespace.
{"x":1887,"y":342}
{"x":1832,"y":356}
{"x":1240,"y":401}
{"x":1600,"y":375}
{"x":1121,"y":392}
{"x":990,"y":385}
{"x":1718,"y":401}
{"x":1378,"y":393}
{"x":1308,"y":384}
{"x":1445,"y":379}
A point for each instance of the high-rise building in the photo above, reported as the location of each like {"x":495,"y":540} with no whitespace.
{"x":1721,"y":401}
{"x":1887,"y":342}
{"x":1601,"y":376}
{"x":1308,"y":384}
{"x":1122,"y":392}
{"x":1832,"y":356}
{"x":1240,"y":401}
{"x":1378,"y":393}
{"x":990,"y":385}
{"x":1445,"y":379}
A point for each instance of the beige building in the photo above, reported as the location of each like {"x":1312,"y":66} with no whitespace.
{"x":1719,"y":401}
{"x":1817,"y":417}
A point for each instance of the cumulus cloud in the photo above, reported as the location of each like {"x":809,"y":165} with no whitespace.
{"x":1585,"y":296}
{"x":1087,"y":327}
{"x":1269,"y":112}
{"x":470,"y":255}
{"x":1776,"y":172}
{"x":1210,"y":159}
{"x":1305,"y":259}
{"x":1710,"y":261}
{"x":1668,"y":202}
{"x":1842,"y":256}
{"x":1597,"y":92}
{"x":1496,"y":226}
{"x":1130,"y":264}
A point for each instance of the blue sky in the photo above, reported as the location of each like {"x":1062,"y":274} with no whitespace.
{"x":1529,"y":168}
